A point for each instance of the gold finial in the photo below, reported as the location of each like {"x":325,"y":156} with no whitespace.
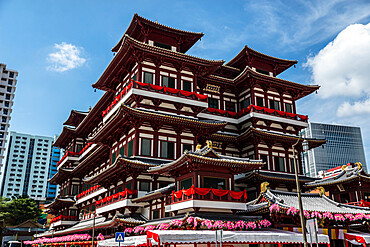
{"x":359,"y":165}
{"x":321,"y":190}
{"x":89,"y":108}
{"x":343,"y":167}
{"x":209,"y":144}
{"x":264,"y":186}
{"x":198,"y":147}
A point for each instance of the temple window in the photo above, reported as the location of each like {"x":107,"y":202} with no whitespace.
{"x":230,"y":106}
{"x":161,"y":45}
{"x":146,"y":147}
{"x":122,"y":151}
{"x":186,"y":147}
{"x":259,"y":101}
{"x":279,"y":164}
{"x":344,"y":198}
{"x":74,"y":189}
{"x":148,"y":77}
{"x":130,"y":148}
{"x":288,"y":107}
{"x":156,"y":214}
{"x":168,"y":81}
{"x":215,"y":183}
{"x":264,"y":159}
{"x":144,"y":186}
{"x":274,"y":104}
{"x":245,"y":103}
{"x":186,"y":86}
{"x":263,"y":71}
{"x":128,"y":186}
{"x":134,"y":77}
{"x":186,"y":183}
{"x":213,"y":103}
{"x":167,"y":149}
{"x":114,"y":156}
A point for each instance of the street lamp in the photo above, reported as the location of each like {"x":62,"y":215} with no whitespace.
{"x":303,"y":222}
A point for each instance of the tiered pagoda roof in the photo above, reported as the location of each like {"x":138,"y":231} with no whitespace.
{"x":75,"y":118}
{"x":346,"y":176}
{"x":141,"y":26}
{"x":311,"y":202}
{"x":59,"y":203}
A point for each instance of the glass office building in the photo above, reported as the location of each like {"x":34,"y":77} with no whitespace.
{"x":344,"y":145}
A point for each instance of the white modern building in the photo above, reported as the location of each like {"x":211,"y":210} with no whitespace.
{"x":344,"y":145}
{"x":27,"y":166}
{"x":7,"y":89}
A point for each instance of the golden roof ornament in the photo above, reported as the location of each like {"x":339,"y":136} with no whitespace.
{"x":209,"y":144}
{"x":321,"y":190}
{"x":359,"y":165}
{"x":264,"y":186}
{"x":89,"y":108}
{"x":198,"y":147}
{"x":343,"y":167}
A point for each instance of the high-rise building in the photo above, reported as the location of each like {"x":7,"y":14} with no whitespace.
{"x":27,"y":165}
{"x":344,"y":145}
{"x":7,"y":89}
{"x":54,"y":158}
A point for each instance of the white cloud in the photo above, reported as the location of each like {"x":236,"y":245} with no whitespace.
{"x":66,"y":57}
{"x":342,"y":70}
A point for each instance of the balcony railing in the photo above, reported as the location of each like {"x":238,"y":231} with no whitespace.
{"x":63,"y":218}
{"x":120,"y":196}
{"x":155,"y":88}
{"x":258,"y":109}
{"x":66,"y":155}
{"x":207,"y":194}
{"x":88,"y":192}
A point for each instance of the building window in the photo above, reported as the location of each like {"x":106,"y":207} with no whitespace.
{"x":245,"y":103}
{"x":288,"y":107}
{"x":259,"y":101}
{"x":215,"y":183}
{"x":9,"y":89}
{"x":122,"y":151}
{"x":274,"y":104}
{"x":148,"y":77}
{"x":10,"y":82}
{"x":114,"y":155}
{"x":130,"y":148}
{"x":134,"y":77}
{"x":168,"y":81}
{"x":3,"y":119}
{"x":161,"y":45}
{"x":146,"y":147}
{"x":144,"y":186}
{"x":186,"y":147}
{"x":212,"y":103}
{"x":230,"y":106}
{"x":6,"y":103}
{"x":7,"y":96}
{"x":156,"y":214}
{"x":279,"y":164}
{"x":11,"y":74}
{"x":167,"y":150}
{"x":186,"y":86}
{"x":186,"y":183}
{"x":264,"y":160}
{"x":74,"y":189}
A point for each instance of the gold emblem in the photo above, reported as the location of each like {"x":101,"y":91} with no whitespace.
{"x":321,"y":190}
{"x":198,"y":147}
{"x":344,"y":167}
{"x":213,"y":88}
{"x":359,"y":165}
{"x":209,"y":144}
{"x":264,"y":186}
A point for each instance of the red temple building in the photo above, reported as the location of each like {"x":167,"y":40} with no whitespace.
{"x":176,"y":136}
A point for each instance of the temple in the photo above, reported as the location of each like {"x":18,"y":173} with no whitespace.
{"x":178,"y":141}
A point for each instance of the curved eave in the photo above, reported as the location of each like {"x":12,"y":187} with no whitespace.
{"x":122,"y":166}
{"x":59,"y":203}
{"x":282,"y":64}
{"x":262,"y":177}
{"x":236,"y":165}
{"x":173,"y":119}
{"x":334,"y":182}
{"x":65,"y":137}
{"x":95,"y":156}
{"x":59,"y":176}
{"x":75,"y":118}
{"x":124,"y":54}
{"x":136,"y":25}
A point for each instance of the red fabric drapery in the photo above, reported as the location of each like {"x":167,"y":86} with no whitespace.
{"x":354,"y":237}
{"x":364,"y":203}
{"x":204,"y":191}
{"x":117,"y":195}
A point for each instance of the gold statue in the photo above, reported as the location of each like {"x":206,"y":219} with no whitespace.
{"x":198,"y":147}
{"x":209,"y":144}
{"x":264,"y":186}
{"x":321,"y":190}
{"x":359,"y":165}
{"x":344,"y":167}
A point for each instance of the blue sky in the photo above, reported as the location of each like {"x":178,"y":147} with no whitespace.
{"x":61,"y":47}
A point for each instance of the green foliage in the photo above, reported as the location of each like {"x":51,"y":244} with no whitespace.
{"x":18,"y":210}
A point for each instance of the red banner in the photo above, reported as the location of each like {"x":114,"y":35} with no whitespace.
{"x":204,"y":191}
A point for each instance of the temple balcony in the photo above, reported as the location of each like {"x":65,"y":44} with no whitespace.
{"x":89,"y":194}
{"x":63,"y":220}
{"x":114,"y":202}
{"x":156,"y":92}
{"x":68,"y":157}
{"x":206,"y":199}
{"x":257,"y":112}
